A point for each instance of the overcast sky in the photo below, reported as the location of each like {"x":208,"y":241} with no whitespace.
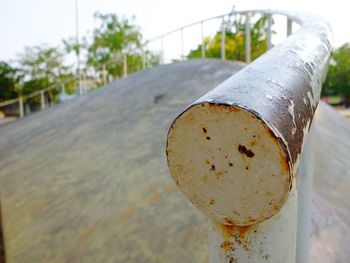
{"x":31,"y":22}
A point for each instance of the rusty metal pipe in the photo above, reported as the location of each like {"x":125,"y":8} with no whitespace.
{"x":273,"y":240}
{"x":234,"y":152}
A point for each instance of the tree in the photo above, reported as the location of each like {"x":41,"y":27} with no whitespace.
{"x":112,"y":40}
{"x":115,"y":41}
{"x":338,"y":78}
{"x":43,"y":67}
{"x":9,"y":79}
{"x":235,"y":41}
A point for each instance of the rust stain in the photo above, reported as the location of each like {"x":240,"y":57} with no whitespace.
{"x":253,"y":143}
{"x":233,"y":109}
{"x":243,"y":150}
{"x":229,"y":221}
{"x":218,"y":175}
{"x":226,"y":245}
{"x":211,"y":201}
{"x":238,"y":234}
{"x":207,"y":161}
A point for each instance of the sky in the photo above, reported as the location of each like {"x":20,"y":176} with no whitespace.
{"x":33,"y":22}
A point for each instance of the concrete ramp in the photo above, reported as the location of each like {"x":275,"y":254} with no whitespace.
{"x":87,"y":180}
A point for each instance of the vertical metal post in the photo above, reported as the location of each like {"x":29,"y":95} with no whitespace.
{"x":104,"y":75}
{"x":305,"y":184}
{"x":223,"y":36}
{"x":63,"y":90}
{"x":162,"y":51}
{"x":182,"y":44}
{"x":84,"y":83}
{"x":273,"y":240}
{"x":78,"y":45}
{"x":42,"y":100}
{"x":289,"y":27}
{"x":21,"y":109}
{"x":143,"y":58}
{"x":247,"y":38}
{"x":125,"y":65}
{"x":269,"y":32}
{"x":203,"y":40}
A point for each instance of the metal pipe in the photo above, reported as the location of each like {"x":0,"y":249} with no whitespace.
{"x":269,"y":32}
{"x":162,"y":51}
{"x":104,"y":75}
{"x":273,"y":240}
{"x":235,"y":151}
{"x":21,"y":109}
{"x":203,"y":40}
{"x":182,"y":44}
{"x":63,"y":90}
{"x":223,"y":36}
{"x":125,"y":65}
{"x":84,"y":83}
{"x":305,"y":185}
{"x":42,"y":100}
{"x":289,"y":27}
{"x":143,"y":58}
{"x":247,"y":38}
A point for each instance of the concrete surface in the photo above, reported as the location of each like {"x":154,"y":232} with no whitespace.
{"x":87,"y":180}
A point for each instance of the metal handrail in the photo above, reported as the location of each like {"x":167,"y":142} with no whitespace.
{"x":235,"y":152}
{"x":143,"y":47}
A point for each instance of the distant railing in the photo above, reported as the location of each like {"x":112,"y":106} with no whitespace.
{"x":19,"y":103}
{"x":236,"y":152}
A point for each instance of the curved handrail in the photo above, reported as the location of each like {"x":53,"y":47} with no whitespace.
{"x":247,"y":135}
{"x":296,"y":17}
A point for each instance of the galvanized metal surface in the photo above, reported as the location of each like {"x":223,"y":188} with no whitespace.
{"x":280,"y":90}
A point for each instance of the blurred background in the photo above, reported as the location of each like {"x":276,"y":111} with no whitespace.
{"x":53,"y":51}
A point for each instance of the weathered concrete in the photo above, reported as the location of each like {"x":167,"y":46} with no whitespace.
{"x":87,"y":180}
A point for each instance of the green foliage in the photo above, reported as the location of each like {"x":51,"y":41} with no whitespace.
{"x":235,"y":41}
{"x":42,"y":67}
{"x":9,"y":79}
{"x":111,"y":40}
{"x":338,"y":78}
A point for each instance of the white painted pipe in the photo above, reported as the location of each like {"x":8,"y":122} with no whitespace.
{"x":247,"y":39}
{"x":269,"y":32}
{"x":289,"y":27}
{"x":304,"y":185}
{"x":223,"y":35}
{"x":21,"y":109}
{"x":273,"y":240}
